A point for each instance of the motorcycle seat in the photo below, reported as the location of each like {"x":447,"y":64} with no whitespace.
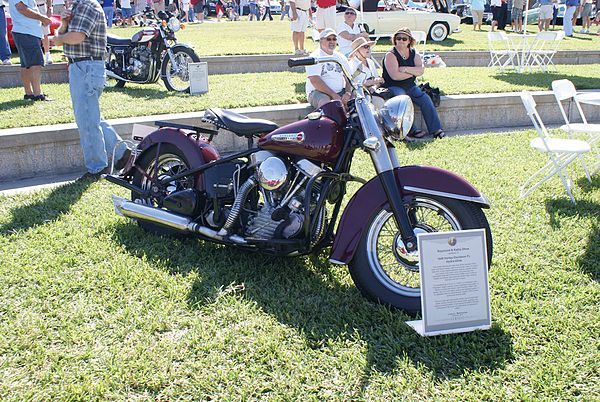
{"x":115,"y":40}
{"x":239,"y":124}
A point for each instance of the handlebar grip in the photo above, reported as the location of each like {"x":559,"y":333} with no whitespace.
{"x":301,"y":61}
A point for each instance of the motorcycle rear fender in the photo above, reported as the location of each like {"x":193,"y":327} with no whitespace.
{"x":197,"y":152}
{"x":371,"y":198}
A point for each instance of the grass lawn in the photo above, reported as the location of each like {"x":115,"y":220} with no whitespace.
{"x":266,"y":37}
{"x":93,"y":308}
{"x":239,"y":90}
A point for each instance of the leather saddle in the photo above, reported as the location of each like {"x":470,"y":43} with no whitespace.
{"x":239,"y":124}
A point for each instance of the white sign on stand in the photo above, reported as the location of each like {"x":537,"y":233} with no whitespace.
{"x":198,"y":77}
{"x":455,"y":293}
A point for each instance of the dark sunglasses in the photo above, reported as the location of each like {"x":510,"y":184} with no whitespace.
{"x":350,"y":13}
{"x":330,"y":39}
{"x":402,"y":38}
{"x":365,"y":46}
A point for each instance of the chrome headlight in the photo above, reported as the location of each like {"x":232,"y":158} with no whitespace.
{"x":174,"y":24}
{"x":397,"y":115}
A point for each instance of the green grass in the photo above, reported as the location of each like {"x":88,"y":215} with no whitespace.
{"x":93,"y":308}
{"x":239,"y":90}
{"x":265,"y":37}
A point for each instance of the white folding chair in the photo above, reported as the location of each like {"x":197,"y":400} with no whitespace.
{"x":564,"y":90}
{"x":420,"y":38}
{"x":501,"y":53}
{"x":561,"y":151}
{"x":543,"y":49}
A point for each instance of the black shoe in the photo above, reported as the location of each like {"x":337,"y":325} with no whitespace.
{"x":439,"y":134}
{"x":42,"y":98}
{"x":122,"y":161}
{"x":89,"y":176}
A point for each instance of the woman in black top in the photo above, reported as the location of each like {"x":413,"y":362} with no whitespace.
{"x":401,"y":65}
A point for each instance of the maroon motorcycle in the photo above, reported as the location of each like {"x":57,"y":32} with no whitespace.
{"x":285,"y":196}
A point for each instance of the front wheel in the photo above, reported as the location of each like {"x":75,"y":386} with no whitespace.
{"x":438,"y":31}
{"x":384,"y":271}
{"x":176,"y":75}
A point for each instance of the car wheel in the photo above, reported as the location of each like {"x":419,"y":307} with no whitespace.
{"x":438,"y":31}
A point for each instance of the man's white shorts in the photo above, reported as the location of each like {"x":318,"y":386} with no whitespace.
{"x":545,"y":12}
{"x":325,"y":17}
{"x":300,"y":24}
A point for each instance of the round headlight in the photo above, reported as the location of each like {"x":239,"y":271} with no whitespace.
{"x":174,"y":24}
{"x":397,"y":115}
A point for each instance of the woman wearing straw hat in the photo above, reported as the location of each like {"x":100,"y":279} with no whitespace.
{"x":363,"y":67}
{"x":400,"y":68}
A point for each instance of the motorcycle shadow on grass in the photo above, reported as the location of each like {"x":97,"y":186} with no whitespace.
{"x":46,"y":209}
{"x":320,"y":301}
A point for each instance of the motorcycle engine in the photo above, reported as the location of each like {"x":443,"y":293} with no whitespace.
{"x":283,"y":186}
{"x":139,"y":62}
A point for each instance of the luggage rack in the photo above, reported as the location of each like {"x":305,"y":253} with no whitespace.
{"x":198,"y":130}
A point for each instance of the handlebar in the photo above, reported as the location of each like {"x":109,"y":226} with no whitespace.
{"x":301,"y":61}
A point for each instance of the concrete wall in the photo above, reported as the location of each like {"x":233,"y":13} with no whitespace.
{"x":57,"y":72}
{"x":50,"y":150}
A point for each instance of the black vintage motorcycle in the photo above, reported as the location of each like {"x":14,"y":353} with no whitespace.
{"x":150,"y":54}
{"x":285,"y":196}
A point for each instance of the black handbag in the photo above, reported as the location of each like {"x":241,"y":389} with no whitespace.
{"x":432,"y":92}
{"x":383,"y":93}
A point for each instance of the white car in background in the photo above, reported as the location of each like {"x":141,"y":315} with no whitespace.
{"x":381,"y":18}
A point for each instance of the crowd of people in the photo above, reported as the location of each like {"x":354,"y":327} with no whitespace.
{"x":547,"y":14}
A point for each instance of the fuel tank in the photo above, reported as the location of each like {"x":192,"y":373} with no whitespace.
{"x":319,"y":136}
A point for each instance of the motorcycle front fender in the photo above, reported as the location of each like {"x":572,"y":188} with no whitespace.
{"x":197,"y":152}
{"x":371,"y":198}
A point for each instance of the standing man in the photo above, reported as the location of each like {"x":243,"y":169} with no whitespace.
{"x":572,"y":6}
{"x":27,"y":34}
{"x":496,"y":6}
{"x":586,"y":16}
{"x":299,"y":24}
{"x":517,"y":15}
{"x":83,"y":36}
{"x":4,"y":46}
{"x":326,"y":81}
{"x":108,"y":6}
{"x":325,"y":14}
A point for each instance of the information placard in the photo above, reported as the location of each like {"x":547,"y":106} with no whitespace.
{"x":454,"y":283}
{"x":198,"y":77}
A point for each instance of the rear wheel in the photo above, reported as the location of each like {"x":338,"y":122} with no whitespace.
{"x":176,"y":74}
{"x":384,"y":271}
{"x":438,"y":31}
{"x":170,"y":162}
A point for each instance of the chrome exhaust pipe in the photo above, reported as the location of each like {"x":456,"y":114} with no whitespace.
{"x":172,"y":220}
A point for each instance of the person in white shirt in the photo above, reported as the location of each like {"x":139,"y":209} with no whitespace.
{"x":299,"y":24}
{"x":364,"y":69}
{"x":348,"y":31}
{"x":326,"y":81}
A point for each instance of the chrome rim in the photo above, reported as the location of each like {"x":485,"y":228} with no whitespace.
{"x":392,"y":264}
{"x":168,"y":165}
{"x":439,"y":32}
{"x":178,"y":74}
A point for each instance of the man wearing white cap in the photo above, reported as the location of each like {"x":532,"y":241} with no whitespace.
{"x":326,"y":81}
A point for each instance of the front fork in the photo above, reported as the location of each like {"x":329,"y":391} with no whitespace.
{"x":169,"y":51}
{"x":385,"y":161}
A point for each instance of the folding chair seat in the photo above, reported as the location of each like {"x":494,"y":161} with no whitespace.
{"x":501,"y":53}
{"x":560,"y":151}
{"x":543,"y":49}
{"x":564,"y":90}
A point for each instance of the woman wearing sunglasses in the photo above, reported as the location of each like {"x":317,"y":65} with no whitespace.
{"x":348,"y":31}
{"x":364,"y":68}
{"x":400,"y":68}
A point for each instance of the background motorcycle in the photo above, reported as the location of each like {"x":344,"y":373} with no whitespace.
{"x":150,"y":54}
{"x":284,"y":197}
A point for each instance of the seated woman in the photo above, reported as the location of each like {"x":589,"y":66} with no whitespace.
{"x":401,"y":65}
{"x":363,"y":68}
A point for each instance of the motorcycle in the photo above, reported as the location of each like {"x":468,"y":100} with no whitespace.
{"x":284,"y":196}
{"x":150,"y":54}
